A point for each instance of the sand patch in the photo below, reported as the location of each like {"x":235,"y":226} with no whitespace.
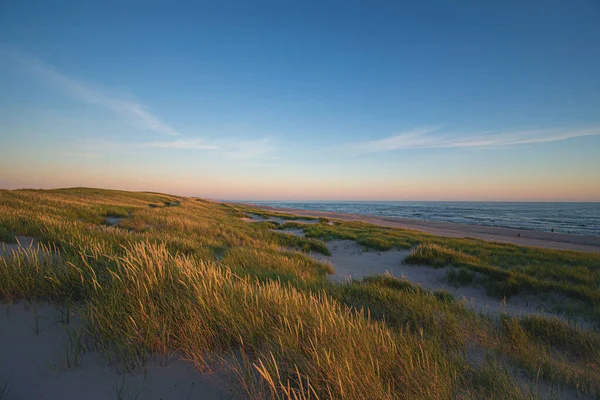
{"x":112,"y":221}
{"x":38,"y":362}
{"x":351,"y":261}
{"x":23,"y":242}
{"x":255,"y":217}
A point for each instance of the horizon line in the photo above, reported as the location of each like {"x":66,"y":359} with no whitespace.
{"x":222,"y":199}
{"x":407,"y":201}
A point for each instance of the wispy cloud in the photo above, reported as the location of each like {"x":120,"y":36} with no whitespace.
{"x":182,"y":144}
{"x":126,"y":108}
{"x":84,"y":155}
{"x":434,"y":138}
{"x":234,"y":149}
{"x":250,"y":149}
{"x":231,"y":147}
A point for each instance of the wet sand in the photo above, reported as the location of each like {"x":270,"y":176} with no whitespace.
{"x":522,"y":237}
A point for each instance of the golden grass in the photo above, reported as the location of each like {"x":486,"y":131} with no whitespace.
{"x":196,"y":279}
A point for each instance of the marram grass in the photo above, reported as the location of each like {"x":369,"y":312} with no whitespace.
{"x":197,"y":280}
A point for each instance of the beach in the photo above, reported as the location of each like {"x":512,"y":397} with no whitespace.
{"x":522,"y":237}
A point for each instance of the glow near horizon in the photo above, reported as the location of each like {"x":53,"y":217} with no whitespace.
{"x":66,"y":129}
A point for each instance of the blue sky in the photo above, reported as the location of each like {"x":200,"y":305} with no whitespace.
{"x":304,"y":100}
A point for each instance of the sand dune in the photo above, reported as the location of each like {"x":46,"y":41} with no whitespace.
{"x":352,"y":262}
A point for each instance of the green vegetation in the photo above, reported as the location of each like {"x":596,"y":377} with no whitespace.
{"x":438,"y":256}
{"x":268,"y":214}
{"x":503,"y":269}
{"x":199,"y":280}
{"x":460,"y":276}
{"x":6,"y":235}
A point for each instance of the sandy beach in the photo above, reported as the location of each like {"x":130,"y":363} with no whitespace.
{"x":523,"y":237}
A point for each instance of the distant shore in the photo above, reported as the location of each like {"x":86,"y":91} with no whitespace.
{"x":523,"y":237}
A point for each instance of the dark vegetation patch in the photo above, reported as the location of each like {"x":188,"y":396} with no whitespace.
{"x":577,"y":343}
{"x":526,"y":342}
{"x":7,"y":236}
{"x":460,"y":276}
{"x":233,"y":211}
{"x":302,"y":243}
{"x":218,"y":251}
{"x":443,"y":295}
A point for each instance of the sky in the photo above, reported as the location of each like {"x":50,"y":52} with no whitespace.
{"x":303,"y":100}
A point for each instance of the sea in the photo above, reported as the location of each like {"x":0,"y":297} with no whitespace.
{"x":572,"y":218}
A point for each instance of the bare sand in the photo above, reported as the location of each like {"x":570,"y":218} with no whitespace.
{"x":37,"y":362}
{"x":113,"y":221}
{"x":22,"y":242}
{"x":448,"y":229}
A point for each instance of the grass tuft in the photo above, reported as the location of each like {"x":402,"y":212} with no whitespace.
{"x":438,"y":256}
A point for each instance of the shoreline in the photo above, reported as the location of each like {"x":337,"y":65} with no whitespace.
{"x":523,"y":237}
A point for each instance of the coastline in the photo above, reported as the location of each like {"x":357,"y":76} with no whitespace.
{"x":523,"y":237}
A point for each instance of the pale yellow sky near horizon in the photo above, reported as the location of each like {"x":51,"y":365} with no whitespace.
{"x":303,"y":188}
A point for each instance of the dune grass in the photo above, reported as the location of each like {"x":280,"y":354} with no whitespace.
{"x":438,"y":256}
{"x":226,"y":293}
{"x":505,"y":270}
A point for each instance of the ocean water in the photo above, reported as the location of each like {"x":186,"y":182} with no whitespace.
{"x":574,"y":218}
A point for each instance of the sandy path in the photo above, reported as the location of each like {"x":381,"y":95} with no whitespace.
{"x":34,"y":365}
{"x":448,"y":229}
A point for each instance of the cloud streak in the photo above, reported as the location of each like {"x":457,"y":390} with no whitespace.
{"x":254,"y":151}
{"x":238,"y":149}
{"x":428,"y":138}
{"x":182,"y":144}
{"x":129,"y":109}
{"x":250,"y":149}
